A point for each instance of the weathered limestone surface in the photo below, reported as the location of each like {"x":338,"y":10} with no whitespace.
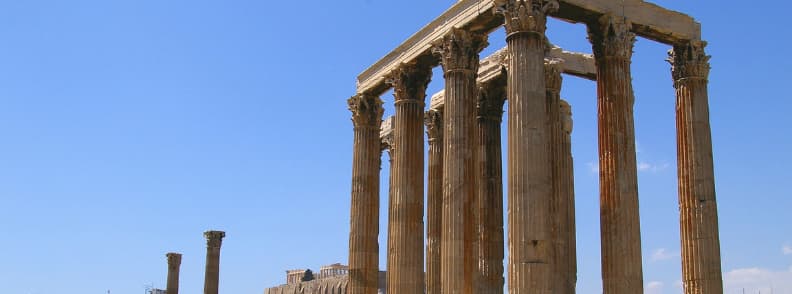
{"x":701,"y":264}
{"x":558,"y":206}
{"x":529,"y":187}
{"x":174,"y":262}
{"x":214,"y":239}
{"x":364,"y":222}
{"x":648,"y":20}
{"x":405,"y":224}
{"x":434,"y":199}
{"x":567,"y":185}
{"x":492,"y":95}
{"x":492,"y":67}
{"x":459,"y":51}
{"x":620,"y":224}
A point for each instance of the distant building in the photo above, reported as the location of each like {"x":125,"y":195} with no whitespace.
{"x":331,"y":279}
{"x":157,"y":291}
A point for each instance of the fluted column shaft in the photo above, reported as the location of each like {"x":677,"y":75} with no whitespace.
{"x":701,"y":264}
{"x":529,"y":187}
{"x":364,"y":221}
{"x":174,"y":262}
{"x":459,"y":52}
{"x":214,"y":239}
{"x":567,"y":191}
{"x":405,"y":218}
{"x":490,"y":186}
{"x":558,"y":205}
{"x":619,"y":220}
{"x":434,"y":200}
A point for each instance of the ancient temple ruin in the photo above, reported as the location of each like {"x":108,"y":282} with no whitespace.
{"x":331,"y":279}
{"x":462,"y":249}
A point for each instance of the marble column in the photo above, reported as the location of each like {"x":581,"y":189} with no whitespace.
{"x":434,"y":200}
{"x":612,"y":43}
{"x":459,"y":51}
{"x":174,"y":262}
{"x":364,"y":221}
{"x":558,"y":206}
{"x":492,"y":95}
{"x":405,"y":218}
{"x":567,"y":185}
{"x":529,"y":185}
{"x":698,"y":210}
{"x":214,"y":239}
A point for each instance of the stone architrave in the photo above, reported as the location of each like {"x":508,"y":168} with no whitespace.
{"x":698,"y":210}
{"x":612,"y":43}
{"x":558,"y":206}
{"x":459,"y":52}
{"x":434,"y":200}
{"x":567,"y":185}
{"x":364,"y":221}
{"x":214,"y":239}
{"x":405,"y":219}
{"x":529,"y":186}
{"x":492,"y":96}
{"x":174,"y":262}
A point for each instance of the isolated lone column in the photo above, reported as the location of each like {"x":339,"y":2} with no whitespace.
{"x":174,"y":261}
{"x":567,"y":181}
{"x":214,"y":239}
{"x":459,"y":51}
{"x":701,"y":261}
{"x":613,"y":42}
{"x":405,"y":219}
{"x":492,"y":95}
{"x":529,"y":186}
{"x":434,"y":200}
{"x":364,"y":221}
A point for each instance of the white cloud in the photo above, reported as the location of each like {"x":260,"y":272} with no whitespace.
{"x":593,"y":166}
{"x":755,"y":279}
{"x":654,"y":287}
{"x":651,"y":167}
{"x":662,"y":254}
{"x":787,"y":250}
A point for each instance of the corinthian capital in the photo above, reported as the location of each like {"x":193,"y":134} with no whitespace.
{"x":553,"y":77}
{"x":434,"y":125}
{"x":459,"y":50}
{"x":214,"y":239}
{"x":525,"y":16}
{"x":491,"y":97}
{"x":366,"y":111}
{"x":409,"y":81}
{"x":611,"y":37}
{"x":566,"y":116}
{"x":688,"y":61}
{"x":174,"y":259}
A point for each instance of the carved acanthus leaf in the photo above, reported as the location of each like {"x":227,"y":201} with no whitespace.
{"x":553,"y":78}
{"x":409,"y":81}
{"x":491,"y":98}
{"x":612,"y":37}
{"x":366,"y":111}
{"x":434,"y":125}
{"x":566,"y":116}
{"x":689,"y":61}
{"x":459,"y":50}
{"x":522,"y":16}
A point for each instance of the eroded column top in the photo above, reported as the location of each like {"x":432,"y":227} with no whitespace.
{"x":214,"y":238}
{"x":174,"y":258}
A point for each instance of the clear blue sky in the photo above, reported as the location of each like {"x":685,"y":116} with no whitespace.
{"x":127,"y":128}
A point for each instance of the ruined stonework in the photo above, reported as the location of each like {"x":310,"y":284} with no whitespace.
{"x":325,"y":283}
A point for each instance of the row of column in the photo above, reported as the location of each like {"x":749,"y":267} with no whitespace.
{"x":464,"y":205}
{"x":214,"y":240}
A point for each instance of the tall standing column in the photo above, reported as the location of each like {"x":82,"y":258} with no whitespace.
{"x":701,"y":264}
{"x":174,"y":262}
{"x":364,"y":221}
{"x":459,"y":51}
{"x":558,"y":206}
{"x":434,"y":199}
{"x":492,"y":95}
{"x":405,"y":218}
{"x":619,"y":222}
{"x":529,"y":185}
{"x":567,"y":186}
{"x":214,"y":239}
